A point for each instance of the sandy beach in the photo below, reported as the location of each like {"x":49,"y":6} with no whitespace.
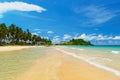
{"x":14,"y":48}
{"x":60,"y":66}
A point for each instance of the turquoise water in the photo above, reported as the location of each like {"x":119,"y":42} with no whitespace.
{"x":107,"y":47}
{"x":104,"y":49}
{"x":107,"y":57}
{"x":15,"y":62}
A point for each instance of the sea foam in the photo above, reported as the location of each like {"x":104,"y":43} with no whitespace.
{"x":115,"y":52}
{"x":78,"y":49}
{"x":90,"y":62}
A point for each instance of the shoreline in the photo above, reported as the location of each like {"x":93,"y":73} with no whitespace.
{"x":57,"y":65}
{"x":116,"y":72}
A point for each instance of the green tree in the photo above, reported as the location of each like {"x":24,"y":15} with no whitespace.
{"x":3,"y":32}
{"x":15,"y":35}
{"x":12,"y":32}
{"x":79,"y":42}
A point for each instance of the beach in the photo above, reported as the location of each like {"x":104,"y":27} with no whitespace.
{"x":14,"y":48}
{"x":57,"y":65}
{"x":48,"y":63}
{"x":59,"y":40}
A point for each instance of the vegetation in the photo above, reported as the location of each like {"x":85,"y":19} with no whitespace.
{"x":76,"y":42}
{"x":79,"y":42}
{"x":14,"y":35}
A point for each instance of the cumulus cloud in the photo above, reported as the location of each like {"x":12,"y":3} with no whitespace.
{"x":94,"y":38}
{"x":117,"y":37}
{"x":50,"y":32}
{"x":66,"y":36}
{"x":56,"y":39}
{"x":35,"y":33}
{"x":97,"y":37}
{"x":19,"y":6}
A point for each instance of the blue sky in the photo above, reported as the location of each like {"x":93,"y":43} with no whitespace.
{"x":97,"y":21}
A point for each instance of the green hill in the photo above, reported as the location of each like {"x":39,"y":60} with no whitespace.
{"x":76,"y":42}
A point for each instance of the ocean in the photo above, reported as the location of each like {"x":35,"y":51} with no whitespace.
{"x":105,"y":57}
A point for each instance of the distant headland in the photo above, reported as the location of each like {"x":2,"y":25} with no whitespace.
{"x":76,"y":42}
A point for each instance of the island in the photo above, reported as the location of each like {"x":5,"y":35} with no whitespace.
{"x":75,"y":42}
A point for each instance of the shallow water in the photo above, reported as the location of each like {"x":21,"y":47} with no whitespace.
{"x":108,"y":56}
{"x":13,"y":63}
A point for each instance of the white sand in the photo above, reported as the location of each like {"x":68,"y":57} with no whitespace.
{"x":12,"y":48}
{"x":60,"y":66}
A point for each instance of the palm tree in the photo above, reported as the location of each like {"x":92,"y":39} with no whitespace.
{"x":34,"y":37}
{"x":3,"y":32}
{"x":12,"y":32}
{"x":15,"y":35}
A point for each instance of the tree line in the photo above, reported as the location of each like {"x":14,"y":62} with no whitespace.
{"x":75,"y":42}
{"x":14,"y":35}
{"x":79,"y":42}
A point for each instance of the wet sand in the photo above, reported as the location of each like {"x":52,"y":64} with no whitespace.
{"x":60,"y":66}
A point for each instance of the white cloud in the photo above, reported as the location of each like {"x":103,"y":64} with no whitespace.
{"x":66,"y":36}
{"x":116,"y":38}
{"x":87,"y":37}
{"x":50,"y":32}
{"x":46,"y":37}
{"x":96,"y":37}
{"x":95,"y":15}
{"x":19,"y":6}
{"x":56,"y":39}
{"x":35,"y":33}
{"x":76,"y":36}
